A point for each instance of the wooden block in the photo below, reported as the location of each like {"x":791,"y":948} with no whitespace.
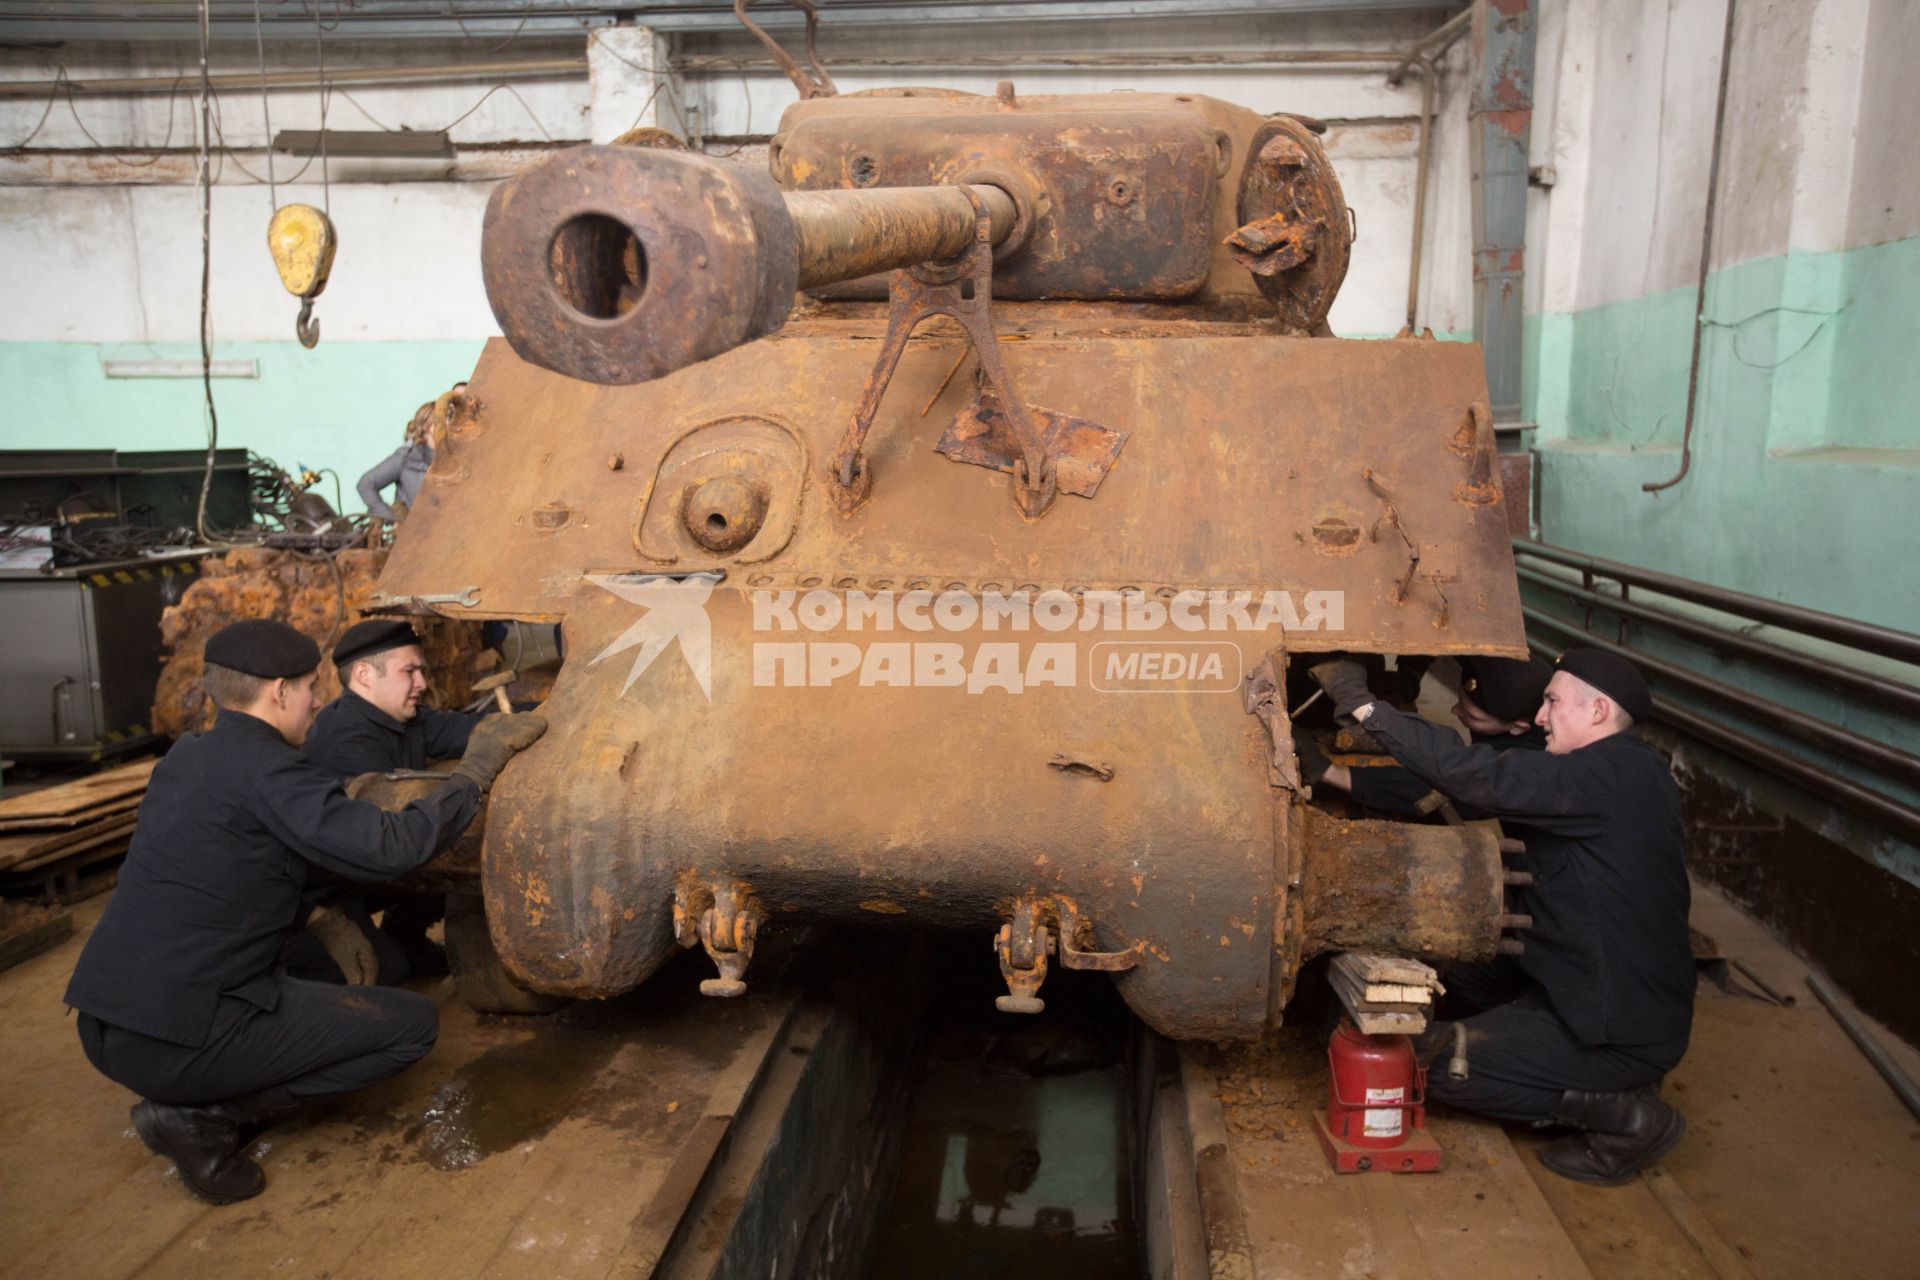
{"x":1384,"y":1024}
{"x":36,"y":933}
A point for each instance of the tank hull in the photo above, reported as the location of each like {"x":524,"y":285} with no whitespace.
{"x":724,"y":718}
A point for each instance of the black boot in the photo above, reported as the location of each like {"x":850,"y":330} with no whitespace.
{"x":205,"y":1145}
{"x":1621,"y":1134}
{"x":257,"y":1112}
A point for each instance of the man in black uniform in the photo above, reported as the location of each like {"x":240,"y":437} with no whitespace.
{"x":1499,"y":698}
{"x":377,"y":723}
{"x":176,"y":988}
{"x":1601,"y":1002}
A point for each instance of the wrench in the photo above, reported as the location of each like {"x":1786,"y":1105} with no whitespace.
{"x":466,"y":598}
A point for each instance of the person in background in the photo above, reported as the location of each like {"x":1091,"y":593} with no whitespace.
{"x":1498,"y":700}
{"x":403,"y":470}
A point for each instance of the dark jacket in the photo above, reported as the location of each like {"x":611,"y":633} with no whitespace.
{"x":352,"y":737}
{"x":232,"y":823}
{"x":1393,"y":789}
{"x":1609,"y":899}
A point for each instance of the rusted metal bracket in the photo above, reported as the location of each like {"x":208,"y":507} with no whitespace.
{"x":1477,"y":440}
{"x":1073,"y":927}
{"x":1263,"y":698}
{"x":723,"y":916}
{"x":1296,"y":231}
{"x":818,"y":84}
{"x":1022,"y":947}
{"x":1003,"y":432}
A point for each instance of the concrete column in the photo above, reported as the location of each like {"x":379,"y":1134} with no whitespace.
{"x":631,"y":84}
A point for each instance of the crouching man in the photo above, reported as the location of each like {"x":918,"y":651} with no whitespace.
{"x":176,"y":989}
{"x":1600,"y":1005}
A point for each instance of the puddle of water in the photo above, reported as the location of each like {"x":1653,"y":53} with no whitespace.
{"x":1016,"y":1161}
{"x":508,"y":1095}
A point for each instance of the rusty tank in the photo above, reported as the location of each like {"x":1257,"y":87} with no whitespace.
{"x":934,"y":522}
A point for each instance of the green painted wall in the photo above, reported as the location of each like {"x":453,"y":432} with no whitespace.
{"x":1805,"y":485}
{"x":1806,"y":470}
{"x":343,"y":405}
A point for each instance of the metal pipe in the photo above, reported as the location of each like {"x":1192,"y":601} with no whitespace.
{"x":1900,"y":819}
{"x":1876,"y":1054}
{"x":1844,"y":742}
{"x":843,"y":235}
{"x":1901,"y":697}
{"x":1901,"y":646}
{"x":1706,"y":264}
{"x":1420,"y":189}
{"x":137,"y":86}
{"x":1432,"y":44}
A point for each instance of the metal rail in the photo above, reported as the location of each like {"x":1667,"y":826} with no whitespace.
{"x":1875,"y":1052}
{"x":1901,"y":646}
{"x":1901,"y":697}
{"x":1843,"y":742}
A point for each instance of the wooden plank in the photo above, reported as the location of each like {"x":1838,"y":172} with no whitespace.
{"x":67,"y":821}
{"x":80,"y":794}
{"x":24,"y":853}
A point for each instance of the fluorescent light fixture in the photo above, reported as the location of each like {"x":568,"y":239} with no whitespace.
{"x":372,"y":144}
{"x":178,"y":368}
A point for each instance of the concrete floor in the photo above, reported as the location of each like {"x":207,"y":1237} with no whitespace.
{"x":1799,"y":1162}
{"x":535,"y":1148}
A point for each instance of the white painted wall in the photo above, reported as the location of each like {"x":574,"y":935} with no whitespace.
{"x":104,"y":248}
{"x":1817,"y":156}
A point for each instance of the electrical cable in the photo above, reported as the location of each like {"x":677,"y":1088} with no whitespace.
{"x":206,"y":270}
{"x":266,"y":111}
{"x":320,"y":73}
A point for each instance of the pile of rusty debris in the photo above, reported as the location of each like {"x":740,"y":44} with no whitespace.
{"x":54,"y":842}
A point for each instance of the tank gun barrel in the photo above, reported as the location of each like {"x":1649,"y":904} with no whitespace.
{"x":621,"y":264}
{"x":844,"y":235}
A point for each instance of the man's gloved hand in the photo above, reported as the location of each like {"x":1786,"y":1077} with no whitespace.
{"x":1313,"y":761}
{"x":495,"y":740}
{"x":1345,"y":681}
{"x":351,"y":949}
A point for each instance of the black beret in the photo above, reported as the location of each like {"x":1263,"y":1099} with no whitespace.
{"x":263,"y":647}
{"x":1506,"y":688}
{"x":375,"y":635}
{"x":1611,"y":675}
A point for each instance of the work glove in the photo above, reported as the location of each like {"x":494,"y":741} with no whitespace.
{"x":349,"y":948}
{"x":1313,"y":761}
{"x":1345,"y":681}
{"x":495,"y":741}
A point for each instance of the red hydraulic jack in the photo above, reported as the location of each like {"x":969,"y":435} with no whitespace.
{"x":1376,"y":1116}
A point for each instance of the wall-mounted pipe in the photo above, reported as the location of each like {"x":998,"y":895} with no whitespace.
{"x":144,"y":86}
{"x":1899,"y":819}
{"x":1500,"y":125}
{"x":1706,"y":264}
{"x":1901,"y":646}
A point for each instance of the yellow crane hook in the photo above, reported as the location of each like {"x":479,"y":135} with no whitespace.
{"x":302,"y":242}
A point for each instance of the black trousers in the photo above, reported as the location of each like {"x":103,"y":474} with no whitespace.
{"x":322,"y":1039}
{"x":1521,"y":1057}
